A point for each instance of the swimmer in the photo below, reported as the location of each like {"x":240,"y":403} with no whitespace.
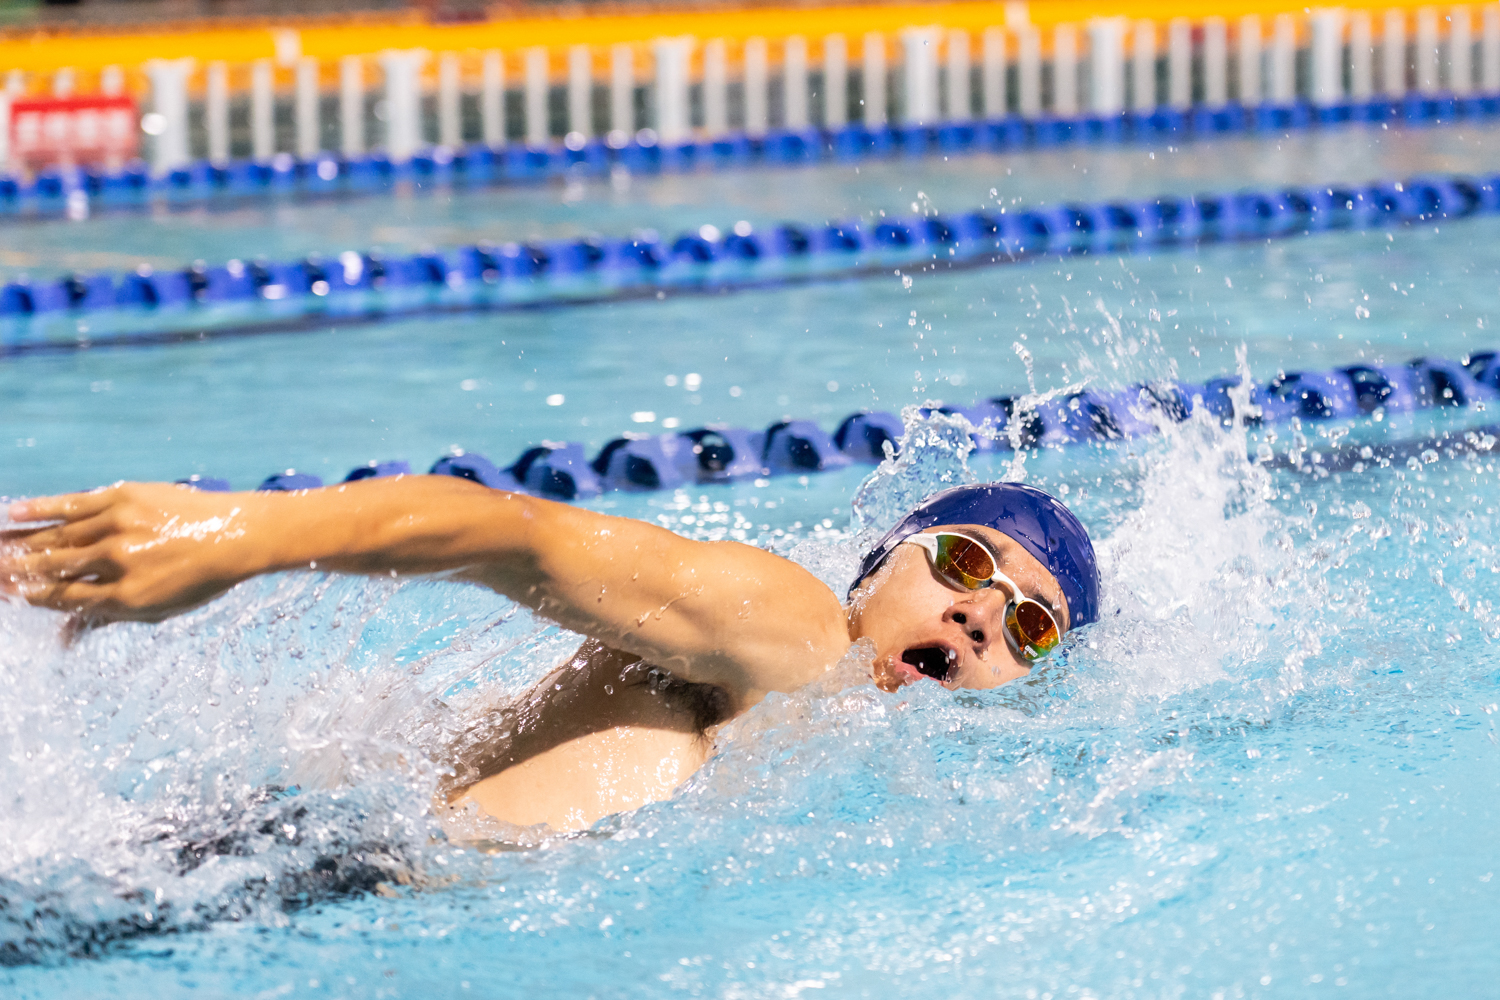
{"x":967,"y":591}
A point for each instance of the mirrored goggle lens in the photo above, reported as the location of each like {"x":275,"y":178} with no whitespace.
{"x":1033,"y":628}
{"x":964,"y":561}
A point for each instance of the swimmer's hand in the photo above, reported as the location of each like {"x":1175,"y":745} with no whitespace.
{"x":134,"y":551}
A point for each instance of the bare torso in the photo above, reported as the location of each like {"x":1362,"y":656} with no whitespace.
{"x":602,"y":734}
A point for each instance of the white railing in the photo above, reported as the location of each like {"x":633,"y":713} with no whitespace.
{"x":682,"y":88}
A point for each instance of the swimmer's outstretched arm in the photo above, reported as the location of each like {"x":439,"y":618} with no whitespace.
{"x":713,"y":612}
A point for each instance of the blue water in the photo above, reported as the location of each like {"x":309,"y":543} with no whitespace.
{"x":1269,"y":772}
{"x":326,"y":402}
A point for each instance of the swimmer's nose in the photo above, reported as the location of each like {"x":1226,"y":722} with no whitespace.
{"x":979,"y":621}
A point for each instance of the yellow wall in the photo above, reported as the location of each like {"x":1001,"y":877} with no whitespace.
{"x":43,"y":53}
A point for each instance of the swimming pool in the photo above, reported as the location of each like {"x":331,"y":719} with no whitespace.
{"x":417,"y":219}
{"x":1270,"y":773}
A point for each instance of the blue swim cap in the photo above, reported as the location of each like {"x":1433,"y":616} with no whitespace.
{"x":1037,"y":520}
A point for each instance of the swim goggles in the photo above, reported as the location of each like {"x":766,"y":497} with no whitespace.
{"x":968,"y":564}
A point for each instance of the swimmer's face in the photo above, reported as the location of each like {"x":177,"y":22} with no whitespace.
{"x":924,"y":627}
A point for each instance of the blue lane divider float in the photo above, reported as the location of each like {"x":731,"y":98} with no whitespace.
{"x":57,"y":191}
{"x":798,"y":447}
{"x":150,"y":306}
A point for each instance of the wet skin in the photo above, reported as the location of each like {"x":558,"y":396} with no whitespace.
{"x":726,"y":623}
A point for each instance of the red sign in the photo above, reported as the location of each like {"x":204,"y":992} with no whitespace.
{"x":73,"y":130}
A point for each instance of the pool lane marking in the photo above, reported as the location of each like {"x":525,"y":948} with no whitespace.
{"x":314,"y":321}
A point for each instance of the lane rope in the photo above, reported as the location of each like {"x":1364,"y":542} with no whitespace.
{"x":63,"y":191}
{"x":717,"y":454}
{"x":241,"y":297}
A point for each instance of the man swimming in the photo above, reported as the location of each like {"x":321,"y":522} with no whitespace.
{"x":681,"y":636}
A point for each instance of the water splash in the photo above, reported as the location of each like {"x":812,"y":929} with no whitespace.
{"x":270,"y":760}
{"x":932,"y":455}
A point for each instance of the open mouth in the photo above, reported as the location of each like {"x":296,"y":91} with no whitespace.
{"x":931,"y":661}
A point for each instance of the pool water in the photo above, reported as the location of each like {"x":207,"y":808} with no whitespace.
{"x":1269,"y":771}
{"x":326,"y":402}
{"x":419,"y":218}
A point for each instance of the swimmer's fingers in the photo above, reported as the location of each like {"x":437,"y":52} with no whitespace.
{"x":88,"y":604}
{"x":78,"y":596}
{"x":97,"y":600}
{"x":39,"y":569}
{"x":74,"y":535}
{"x":115,"y":557}
{"x":65,"y":507}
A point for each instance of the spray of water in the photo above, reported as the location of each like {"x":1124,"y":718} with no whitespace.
{"x":279,"y":748}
